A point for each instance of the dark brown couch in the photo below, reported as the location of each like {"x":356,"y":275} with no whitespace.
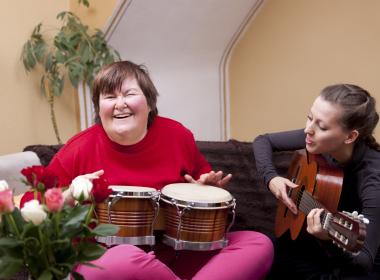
{"x":255,"y":204}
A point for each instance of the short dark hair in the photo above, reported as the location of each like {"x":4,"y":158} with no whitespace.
{"x":111,"y":77}
{"x":359,"y":110}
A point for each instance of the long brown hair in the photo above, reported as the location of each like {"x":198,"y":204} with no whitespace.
{"x":359,"y":110}
{"x":111,"y":77}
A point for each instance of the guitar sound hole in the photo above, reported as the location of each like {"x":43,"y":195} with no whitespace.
{"x":299,"y":196}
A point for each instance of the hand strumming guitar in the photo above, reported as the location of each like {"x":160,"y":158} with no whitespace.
{"x":279,"y":187}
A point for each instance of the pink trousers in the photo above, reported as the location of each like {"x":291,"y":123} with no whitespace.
{"x":248,"y":256}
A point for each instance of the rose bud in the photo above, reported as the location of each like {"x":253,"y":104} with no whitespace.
{"x":6,"y":201}
{"x":68,"y":197}
{"x":54,"y":199}
{"x":81,"y":188}
{"x":100,"y":190}
{"x":33,"y":212}
{"x":3,"y":185}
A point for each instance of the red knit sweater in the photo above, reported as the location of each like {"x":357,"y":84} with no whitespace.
{"x":164,"y":156}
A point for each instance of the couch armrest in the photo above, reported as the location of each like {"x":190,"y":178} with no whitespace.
{"x":11,"y":166}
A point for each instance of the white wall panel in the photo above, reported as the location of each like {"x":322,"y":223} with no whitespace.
{"x":183,"y":44}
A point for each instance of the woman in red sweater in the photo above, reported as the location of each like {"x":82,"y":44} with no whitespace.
{"x":131,"y":145}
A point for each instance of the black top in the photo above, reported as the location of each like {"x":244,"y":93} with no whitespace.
{"x":361,"y":184}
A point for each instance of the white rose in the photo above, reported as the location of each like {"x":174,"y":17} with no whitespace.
{"x":3,"y":185}
{"x":81,"y":186}
{"x":33,"y":212}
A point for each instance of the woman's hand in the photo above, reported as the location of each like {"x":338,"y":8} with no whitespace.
{"x":314,"y":226}
{"x":93,"y":175}
{"x":279,"y":187}
{"x":212,"y":178}
{"x":68,"y":193}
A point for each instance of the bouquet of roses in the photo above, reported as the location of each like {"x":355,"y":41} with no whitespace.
{"x":54,"y":231}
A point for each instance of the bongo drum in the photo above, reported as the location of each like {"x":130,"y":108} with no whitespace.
{"x":196,"y":216}
{"x":134,"y":210}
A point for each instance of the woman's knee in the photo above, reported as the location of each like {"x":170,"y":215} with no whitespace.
{"x":254,"y":238}
{"x":126,"y":262}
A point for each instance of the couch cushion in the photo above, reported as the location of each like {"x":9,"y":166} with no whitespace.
{"x":256,"y":206}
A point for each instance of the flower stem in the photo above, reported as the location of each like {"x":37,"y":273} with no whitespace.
{"x":57,"y":218}
{"x":45,"y":257}
{"x":89,"y":214}
{"x":11,"y":220}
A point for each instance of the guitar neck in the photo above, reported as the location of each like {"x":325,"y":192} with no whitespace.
{"x":346,"y":230}
{"x":306,"y":203}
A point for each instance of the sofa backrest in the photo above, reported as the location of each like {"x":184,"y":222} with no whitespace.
{"x":256,"y":206}
{"x":44,"y":152}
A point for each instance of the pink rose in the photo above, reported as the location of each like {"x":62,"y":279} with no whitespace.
{"x":6,"y":201}
{"x":54,"y":199}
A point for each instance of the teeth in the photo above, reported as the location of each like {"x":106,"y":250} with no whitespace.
{"x":121,"y":116}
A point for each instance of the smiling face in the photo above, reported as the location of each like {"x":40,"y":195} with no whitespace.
{"x":124,"y":113}
{"x":324,"y":133}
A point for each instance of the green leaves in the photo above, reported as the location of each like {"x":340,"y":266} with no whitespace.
{"x":84,"y":2}
{"x":90,"y":252}
{"x":34,"y":49}
{"x":51,"y":249}
{"x":9,"y":242}
{"x":105,"y":230}
{"x":75,"y":51}
{"x":9,"y":266}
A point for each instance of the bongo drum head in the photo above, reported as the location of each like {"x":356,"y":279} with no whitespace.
{"x":132,"y":191}
{"x":196,"y":193}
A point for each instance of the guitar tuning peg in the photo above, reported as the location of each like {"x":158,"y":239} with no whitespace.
{"x":363,"y":219}
{"x":355,"y":213}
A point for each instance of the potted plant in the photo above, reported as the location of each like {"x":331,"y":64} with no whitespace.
{"x":75,"y":52}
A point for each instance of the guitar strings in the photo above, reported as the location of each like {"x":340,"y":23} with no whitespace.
{"x":307,"y":202}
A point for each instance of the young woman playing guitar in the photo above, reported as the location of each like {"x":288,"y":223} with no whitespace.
{"x":339,"y":128}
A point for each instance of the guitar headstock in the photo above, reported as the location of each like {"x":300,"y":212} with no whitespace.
{"x":347,"y":230}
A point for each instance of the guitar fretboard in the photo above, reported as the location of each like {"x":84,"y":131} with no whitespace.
{"x":306,"y":203}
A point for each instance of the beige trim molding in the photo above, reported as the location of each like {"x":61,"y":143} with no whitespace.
{"x":224,"y":66}
{"x":115,"y":18}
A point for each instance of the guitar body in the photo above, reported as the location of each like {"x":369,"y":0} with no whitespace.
{"x":312,"y":174}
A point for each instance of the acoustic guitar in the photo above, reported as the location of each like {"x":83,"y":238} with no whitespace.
{"x":319,"y":186}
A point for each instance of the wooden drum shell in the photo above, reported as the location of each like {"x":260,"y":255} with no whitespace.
{"x":197,"y":225}
{"x":134,"y":216}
